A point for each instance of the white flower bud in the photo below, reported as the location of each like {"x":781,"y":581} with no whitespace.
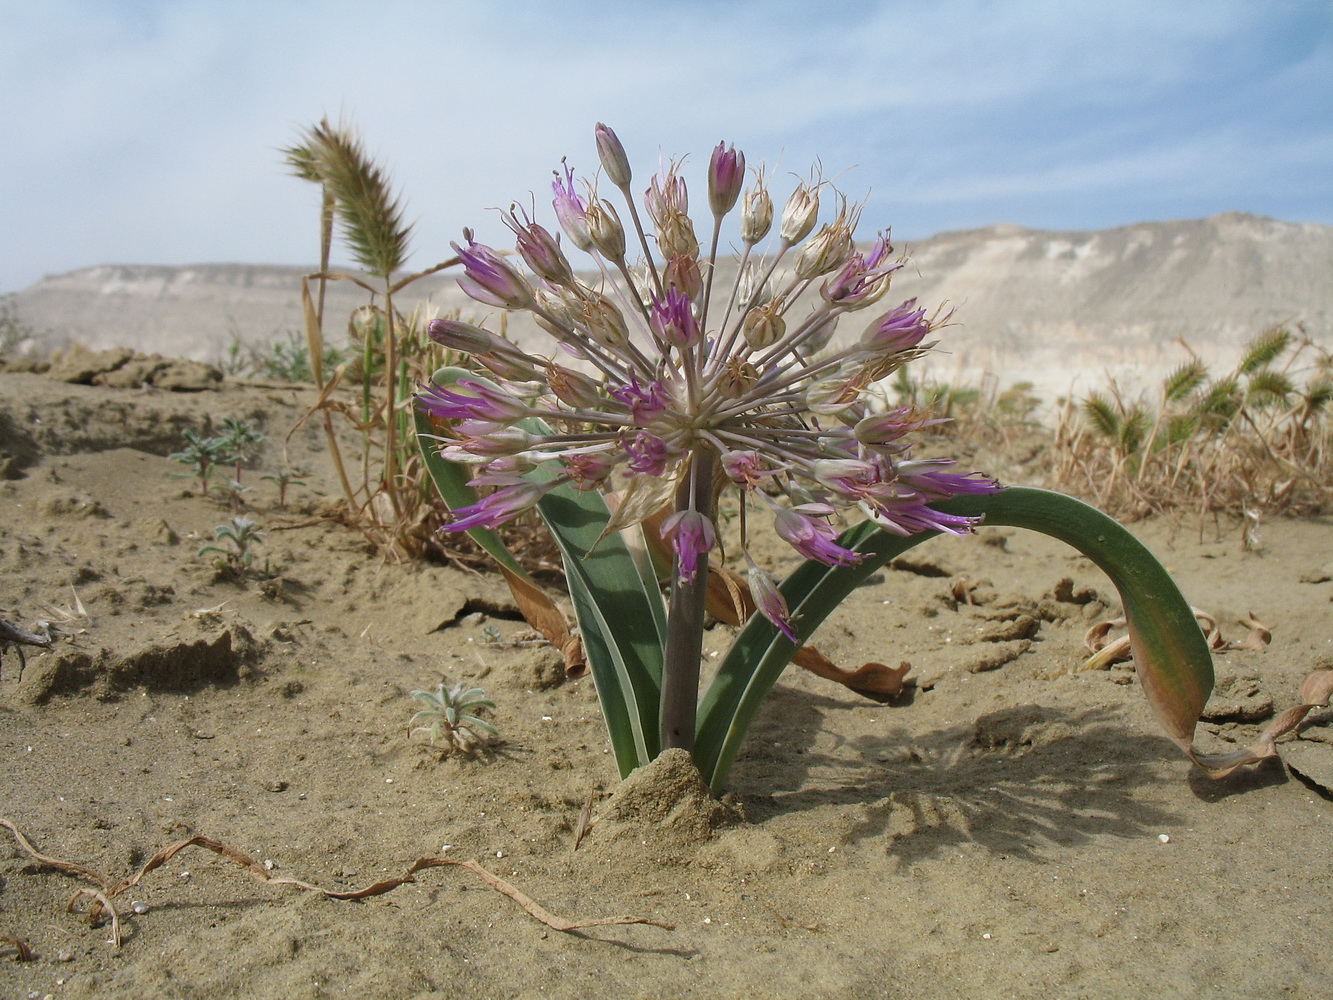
{"x":756,"y":214}
{"x":800,"y":215}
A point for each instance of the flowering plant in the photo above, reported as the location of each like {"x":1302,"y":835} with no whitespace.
{"x":669,"y":388}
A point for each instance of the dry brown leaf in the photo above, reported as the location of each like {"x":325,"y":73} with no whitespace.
{"x":1098,"y":636}
{"x":645,"y":496}
{"x":1108,"y":653}
{"x":1210,"y":630}
{"x":1097,"y":639}
{"x":19,"y":945}
{"x":1315,"y":692}
{"x":1258,"y":639}
{"x":542,"y":614}
{"x":962,"y":588}
{"x":875,"y":681}
{"x":585,"y":822}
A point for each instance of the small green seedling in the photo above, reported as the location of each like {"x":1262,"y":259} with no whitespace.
{"x":239,"y":534}
{"x":241,"y":439}
{"x":205,"y":455}
{"x":450,"y":718}
{"x":283,"y":481}
{"x":232,"y":494}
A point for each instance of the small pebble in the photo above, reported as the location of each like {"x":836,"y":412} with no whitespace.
{"x":1164,"y":838}
{"x":139,"y":907}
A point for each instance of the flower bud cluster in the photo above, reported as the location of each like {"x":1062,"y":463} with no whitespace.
{"x":669,"y":376}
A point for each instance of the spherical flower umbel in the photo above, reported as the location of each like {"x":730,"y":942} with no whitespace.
{"x":680,"y":388}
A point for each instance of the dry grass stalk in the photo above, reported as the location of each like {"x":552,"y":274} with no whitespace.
{"x":357,"y":200}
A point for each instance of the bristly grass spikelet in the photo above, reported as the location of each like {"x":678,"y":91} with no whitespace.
{"x":370,"y":214}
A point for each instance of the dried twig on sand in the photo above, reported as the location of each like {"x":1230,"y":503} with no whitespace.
{"x":106,"y":892}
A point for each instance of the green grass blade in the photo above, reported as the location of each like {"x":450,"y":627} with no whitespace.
{"x":1170,"y":654}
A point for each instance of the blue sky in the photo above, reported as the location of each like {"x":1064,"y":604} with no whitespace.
{"x":149,"y":132}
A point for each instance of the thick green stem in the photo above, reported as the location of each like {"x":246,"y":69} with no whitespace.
{"x":685,"y":619}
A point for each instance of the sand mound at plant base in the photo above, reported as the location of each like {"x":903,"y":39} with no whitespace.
{"x":665,"y":803}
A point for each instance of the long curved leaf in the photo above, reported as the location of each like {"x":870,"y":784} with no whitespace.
{"x":620,"y":615}
{"x":1170,"y":654}
{"x":617,"y":602}
{"x":451,"y":481}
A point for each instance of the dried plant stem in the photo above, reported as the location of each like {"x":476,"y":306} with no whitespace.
{"x":105,"y":893}
{"x":314,"y":332}
{"x":391,"y":433}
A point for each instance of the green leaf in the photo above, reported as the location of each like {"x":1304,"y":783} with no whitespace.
{"x":621,"y":616}
{"x":1170,"y":653}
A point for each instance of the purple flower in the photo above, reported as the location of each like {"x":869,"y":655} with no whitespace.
{"x":883,"y":430}
{"x":899,"y":330}
{"x":588,"y":470}
{"x":769,"y":600}
{"x":667,"y":196}
{"x":571,"y":210}
{"x":742,"y":384}
{"x":500,"y":506}
{"x":863,"y":278}
{"x":692,"y":535}
{"x":647,"y":453}
{"x":672,"y":319}
{"x":539,"y":249}
{"x":726,"y":172}
{"x":488,"y":278}
{"x":923,"y":477}
{"x":850,"y":478}
{"x":478,"y":401}
{"x":912,"y":518}
{"x":486,"y":439}
{"x":644,"y":401}
{"x":459,"y":336}
{"x":745,"y":468}
{"x":813,"y":538}
{"x":612,"y":155}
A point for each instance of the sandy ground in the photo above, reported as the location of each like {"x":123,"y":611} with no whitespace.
{"x":1018,"y":831}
